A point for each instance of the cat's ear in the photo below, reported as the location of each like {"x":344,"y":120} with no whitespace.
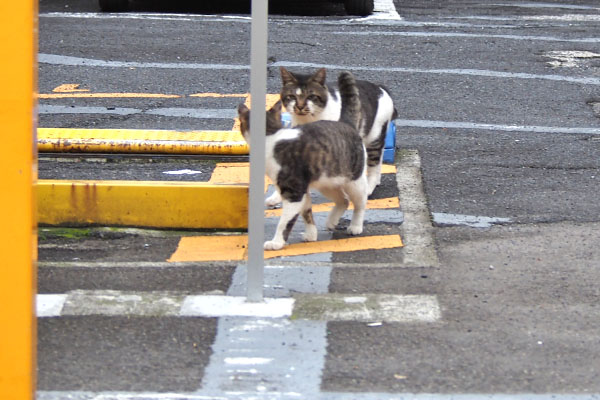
{"x":276,"y":108}
{"x":287,"y":77}
{"x":320,"y":76}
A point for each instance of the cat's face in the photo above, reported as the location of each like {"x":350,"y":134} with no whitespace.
{"x":273,"y":120}
{"x":304,"y":94}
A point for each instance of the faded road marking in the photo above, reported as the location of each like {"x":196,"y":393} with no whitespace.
{"x":231,"y":248}
{"x":78,"y":61}
{"x":474,"y":221}
{"x":417,"y":123}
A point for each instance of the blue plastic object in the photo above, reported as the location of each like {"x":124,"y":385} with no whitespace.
{"x":389,"y":149}
{"x":286,"y":120}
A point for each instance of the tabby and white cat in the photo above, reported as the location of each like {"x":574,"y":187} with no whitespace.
{"x":308,"y":98}
{"x":326,"y":155}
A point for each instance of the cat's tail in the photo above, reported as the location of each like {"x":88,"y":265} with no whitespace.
{"x":351,"y":107}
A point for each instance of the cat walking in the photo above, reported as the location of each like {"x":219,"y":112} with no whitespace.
{"x":308,"y":98}
{"x":328,"y":156}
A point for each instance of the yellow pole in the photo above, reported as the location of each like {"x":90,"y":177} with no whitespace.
{"x":18,"y":239}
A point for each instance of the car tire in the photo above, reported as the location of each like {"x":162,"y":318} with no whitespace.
{"x":359,"y":7}
{"x":113,"y":5}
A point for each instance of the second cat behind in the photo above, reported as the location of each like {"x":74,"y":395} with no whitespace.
{"x":308,"y":98}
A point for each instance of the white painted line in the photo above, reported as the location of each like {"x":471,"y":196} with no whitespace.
{"x":148,"y":16}
{"x":416,"y":123}
{"x":385,"y":308}
{"x":235,"y":306}
{"x":247,"y":360}
{"x":472,"y":221}
{"x":112,"y":302}
{"x":382,"y":10}
{"x":57,"y":395}
{"x":266,"y":359}
{"x":472,"y":36}
{"x":569,"y":59}
{"x":467,"y":72}
{"x":49,"y":305}
{"x":182,"y":172}
{"x":77,"y":61}
{"x":547,"y":5}
{"x":541,"y":18}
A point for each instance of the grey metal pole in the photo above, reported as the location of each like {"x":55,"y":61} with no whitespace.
{"x":258,"y":93}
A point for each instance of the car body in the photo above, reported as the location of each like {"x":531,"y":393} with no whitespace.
{"x":353,"y":7}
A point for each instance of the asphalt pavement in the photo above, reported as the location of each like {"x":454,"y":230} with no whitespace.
{"x":494,"y":290}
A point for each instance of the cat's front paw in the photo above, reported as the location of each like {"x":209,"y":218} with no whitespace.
{"x":310,"y":234}
{"x":354,"y":229}
{"x":273,"y":199}
{"x":273,"y":245}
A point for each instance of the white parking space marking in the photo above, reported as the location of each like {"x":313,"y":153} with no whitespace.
{"x":496,"y":127}
{"x":76,"y":61}
{"x":472,"y":36}
{"x":473,"y":221}
{"x":55,"y":59}
{"x":232,"y":306}
{"x":382,"y":10}
{"x":50,"y":305}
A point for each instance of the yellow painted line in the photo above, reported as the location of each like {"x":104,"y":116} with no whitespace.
{"x":233,"y":248}
{"x":143,"y":203}
{"x":141,"y":141}
{"x":18,"y":240}
{"x":375,"y":204}
{"x":217,"y":95}
{"x":106,"y":95}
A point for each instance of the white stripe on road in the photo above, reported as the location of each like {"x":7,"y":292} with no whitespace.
{"x":418,"y":123}
{"x":77,"y":61}
{"x":57,"y":395}
{"x":50,"y":305}
{"x":383,"y":10}
{"x":471,"y":35}
{"x":147,"y":16}
{"x":235,"y":306}
{"x":473,"y":221}
{"x":469,"y":72}
{"x":323,"y":307}
{"x":89,"y":62}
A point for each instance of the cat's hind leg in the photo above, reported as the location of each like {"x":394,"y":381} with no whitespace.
{"x":289,"y":213}
{"x":357,"y":191}
{"x":373,"y":178}
{"x":310,"y":230}
{"x":375,"y":159}
{"x":341,"y":205}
